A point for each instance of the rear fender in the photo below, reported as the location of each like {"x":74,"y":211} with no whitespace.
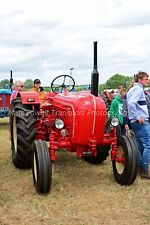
{"x":29,"y":98}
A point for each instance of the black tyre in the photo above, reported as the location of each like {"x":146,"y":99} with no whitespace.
{"x":102,"y":154}
{"x":107,"y":125}
{"x":22,"y":132}
{"x":102,"y":151}
{"x":42,"y":168}
{"x":125,"y":162}
{"x":133,"y":144}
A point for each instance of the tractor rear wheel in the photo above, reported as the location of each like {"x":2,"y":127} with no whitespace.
{"x":102,"y":154}
{"x":22,"y":131}
{"x":42,"y":168}
{"x":125,"y":163}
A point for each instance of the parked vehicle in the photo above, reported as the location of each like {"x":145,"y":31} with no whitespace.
{"x":74,"y":121}
{"x":4,"y":102}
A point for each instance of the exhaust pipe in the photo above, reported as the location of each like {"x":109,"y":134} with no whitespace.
{"x":95,"y":74}
{"x":11,"y":80}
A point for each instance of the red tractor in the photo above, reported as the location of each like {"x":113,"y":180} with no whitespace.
{"x":75,"y":121}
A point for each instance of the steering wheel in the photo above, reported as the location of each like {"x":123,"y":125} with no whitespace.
{"x":62,"y":82}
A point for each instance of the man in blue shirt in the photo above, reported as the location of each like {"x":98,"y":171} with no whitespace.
{"x":139,"y":121}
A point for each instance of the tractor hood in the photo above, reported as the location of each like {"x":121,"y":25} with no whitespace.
{"x":88,"y":115}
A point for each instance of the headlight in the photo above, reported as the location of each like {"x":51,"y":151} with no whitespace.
{"x":30,"y":99}
{"x":114,"y":122}
{"x":59,"y":124}
{"x":63,"y":132}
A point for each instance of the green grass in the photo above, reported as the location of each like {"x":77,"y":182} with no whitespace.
{"x":81,"y":193}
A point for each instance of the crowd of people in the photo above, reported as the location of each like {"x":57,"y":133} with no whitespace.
{"x":131,"y":107}
{"x":19,"y":86}
{"x":139,"y":121}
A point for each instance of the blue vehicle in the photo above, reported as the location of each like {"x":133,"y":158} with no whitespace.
{"x":5,"y":102}
{"x":5,"y":98}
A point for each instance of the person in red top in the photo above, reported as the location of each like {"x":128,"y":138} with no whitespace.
{"x":17,"y":87}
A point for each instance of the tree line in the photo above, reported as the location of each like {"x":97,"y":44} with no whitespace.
{"x":28,"y":83}
{"x":112,"y":83}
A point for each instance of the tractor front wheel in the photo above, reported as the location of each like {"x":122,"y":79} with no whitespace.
{"x":125,"y":162}
{"x":42,"y":168}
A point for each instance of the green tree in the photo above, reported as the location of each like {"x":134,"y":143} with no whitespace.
{"x":78,"y":88}
{"x":4,"y":82}
{"x":102,"y":87}
{"x":47,"y":89}
{"x":118,"y":79}
{"x":28,"y":84}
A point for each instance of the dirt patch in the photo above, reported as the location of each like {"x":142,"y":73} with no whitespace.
{"x":81,"y":193}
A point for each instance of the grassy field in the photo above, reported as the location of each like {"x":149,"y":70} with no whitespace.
{"x":81,"y":193}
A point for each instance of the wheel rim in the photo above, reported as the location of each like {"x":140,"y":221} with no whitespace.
{"x":35,"y":168}
{"x":120,"y":160}
{"x":15,"y":133}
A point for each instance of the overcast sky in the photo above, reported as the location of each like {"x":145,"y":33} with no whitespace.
{"x":45,"y":38}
